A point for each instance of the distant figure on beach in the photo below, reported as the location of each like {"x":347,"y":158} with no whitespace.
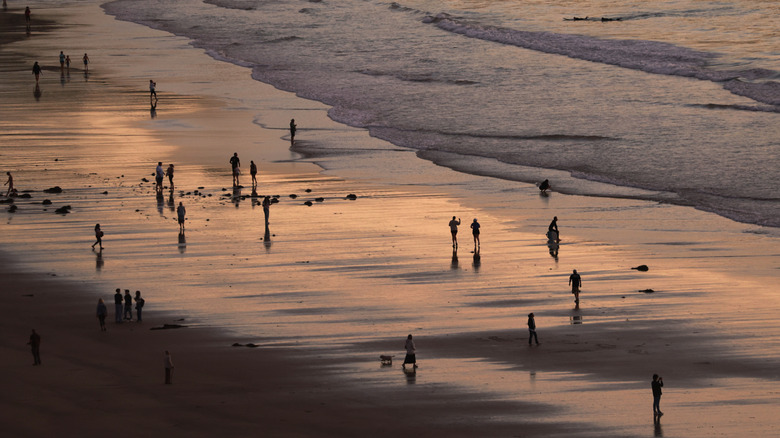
{"x":98,"y":237}
{"x":67,"y":62}
{"x":128,"y":305}
{"x":62,"y":61}
{"x":266,"y":209}
{"x":454,"y":231}
{"x":475,"y":232}
{"x":168,"y":362}
{"x":544,"y":185}
{"x":410,"y":352}
{"x":253,"y":172}
{"x":181,"y":212}
{"x":35,"y":347}
{"x":656,"y":385}
{"x":552,"y":231}
{"x":293,"y":128}
{"x":532,"y":329}
{"x":86,"y":62}
{"x":9,"y":183}
{"x":159,"y":174}
{"x":575,"y":281}
{"x":152,"y":90}
{"x":27,"y":16}
{"x":169,"y":174}
{"x":36,"y":71}
{"x":235,"y":165}
{"x":118,"y":301}
{"x":139,"y":305}
{"x":102,"y":312}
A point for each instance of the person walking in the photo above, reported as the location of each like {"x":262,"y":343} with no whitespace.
{"x":98,"y":238}
{"x":253,"y":172}
{"x":168,"y":362}
{"x":86,"y":62}
{"x":532,"y":329}
{"x":293,"y":128}
{"x":139,"y":305}
{"x":169,"y":174}
{"x":128,"y":305}
{"x":102,"y":312}
{"x":235,"y":164}
{"x":35,"y":347}
{"x":152,"y":90}
{"x":475,"y":232}
{"x":10,"y":183}
{"x":410,"y":352}
{"x":36,"y":69}
{"x":181,"y":212}
{"x":656,"y":385}
{"x":575,"y":281}
{"x":118,"y":301}
{"x":67,"y":63}
{"x":454,"y":231}
{"x":159,"y":174}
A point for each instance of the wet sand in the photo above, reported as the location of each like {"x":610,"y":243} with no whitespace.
{"x":342,"y":281}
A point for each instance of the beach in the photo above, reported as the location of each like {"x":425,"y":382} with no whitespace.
{"x":335,"y":284}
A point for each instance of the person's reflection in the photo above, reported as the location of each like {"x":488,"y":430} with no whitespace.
{"x":37,"y":93}
{"x":454,"y":264}
{"x":267,"y":238}
{"x":553,"y":247}
{"x":171,"y":202}
{"x":575,"y":319}
{"x":182,"y":242}
{"x":62,"y":78}
{"x":411,"y":375}
{"x":160,"y":202}
{"x":236,"y":195}
{"x":657,"y":430}
{"x":153,"y":111}
{"x":477,"y":262}
{"x":99,"y":260}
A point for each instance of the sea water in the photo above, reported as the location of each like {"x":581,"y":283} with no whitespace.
{"x":673,"y":101}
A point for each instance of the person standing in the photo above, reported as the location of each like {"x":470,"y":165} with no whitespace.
{"x":128,"y":305}
{"x":159,"y":174}
{"x":86,"y":62}
{"x":152,"y":89}
{"x":454,"y":231}
{"x":67,"y":63}
{"x":293,"y":128}
{"x":139,"y":305}
{"x":98,"y":238}
{"x":28,"y":17}
{"x":169,"y":174}
{"x":532,"y":329}
{"x":181,"y":212}
{"x":118,"y":301}
{"x":410,"y":352}
{"x":36,"y":71}
{"x":575,"y":281}
{"x":475,"y":232}
{"x":235,"y":164}
{"x":62,"y":62}
{"x":168,"y":362}
{"x":9,"y":183}
{"x":253,"y":172}
{"x":35,"y":346}
{"x":102,"y":312}
{"x":656,"y":385}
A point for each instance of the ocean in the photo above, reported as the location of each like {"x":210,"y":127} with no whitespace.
{"x":675,"y":101}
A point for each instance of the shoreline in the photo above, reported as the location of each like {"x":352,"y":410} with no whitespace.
{"x":406,"y":273}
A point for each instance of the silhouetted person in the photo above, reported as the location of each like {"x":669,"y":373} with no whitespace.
{"x":180,"y":213}
{"x":36,"y":69}
{"x":98,"y":237}
{"x":9,"y":183}
{"x":656,"y":385}
{"x":67,"y":63}
{"x":168,"y":362}
{"x":475,"y":232}
{"x":253,"y":172}
{"x":139,"y":305}
{"x":544,"y":185}
{"x":35,"y":347}
{"x":159,"y":174}
{"x":62,"y":61}
{"x":293,"y":128}
{"x":86,"y":63}
{"x":575,"y":281}
{"x":128,"y":305}
{"x":169,"y":174}
{"x":410,"y":352}
{"x":27,"y":17}
{"x":102,"y":312}
{"x":552,"y":230}
{"x":235,"y":165}
{"x":532,"y":329}
{"x":152,"y":92}
{"x":118,"y":301}
{"x":454,"y":231}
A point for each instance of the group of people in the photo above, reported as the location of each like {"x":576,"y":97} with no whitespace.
{"x":64,"y":65}
{"x":454,"y":223}
{"x":123,"y":308}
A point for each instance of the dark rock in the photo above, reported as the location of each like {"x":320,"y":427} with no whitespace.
{"x":308,"y":190}
{"x":168,"y":327}
{"x":647,"y":291}
{"x":63,"y":210}
{"x":7,"y":201}
{"x":200,"y":188}
{"x":309,"y":203}
{"x":642,"y":268}
{"x":106,"y":192}
{"x":352,"y":196}
{"x":12,"y":208}
{"x":319,"y":199}
{"x":236,"y":344}
{"x":144,"y":180}
{"x":251,"y":345}
{"x":293,"y":196}
{"x":46,"y":202}
{"x":274,"y":200}
{"x":55,"y":189}
{"x":25,"y":196}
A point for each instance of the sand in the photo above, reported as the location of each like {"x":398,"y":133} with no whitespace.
{"x":342,"y":281}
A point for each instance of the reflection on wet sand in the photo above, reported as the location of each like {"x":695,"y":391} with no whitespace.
{"x":477,"y":261}
{"x":454,"y":263}
{"x":182,"y":242}
{"x":99,"y":260}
